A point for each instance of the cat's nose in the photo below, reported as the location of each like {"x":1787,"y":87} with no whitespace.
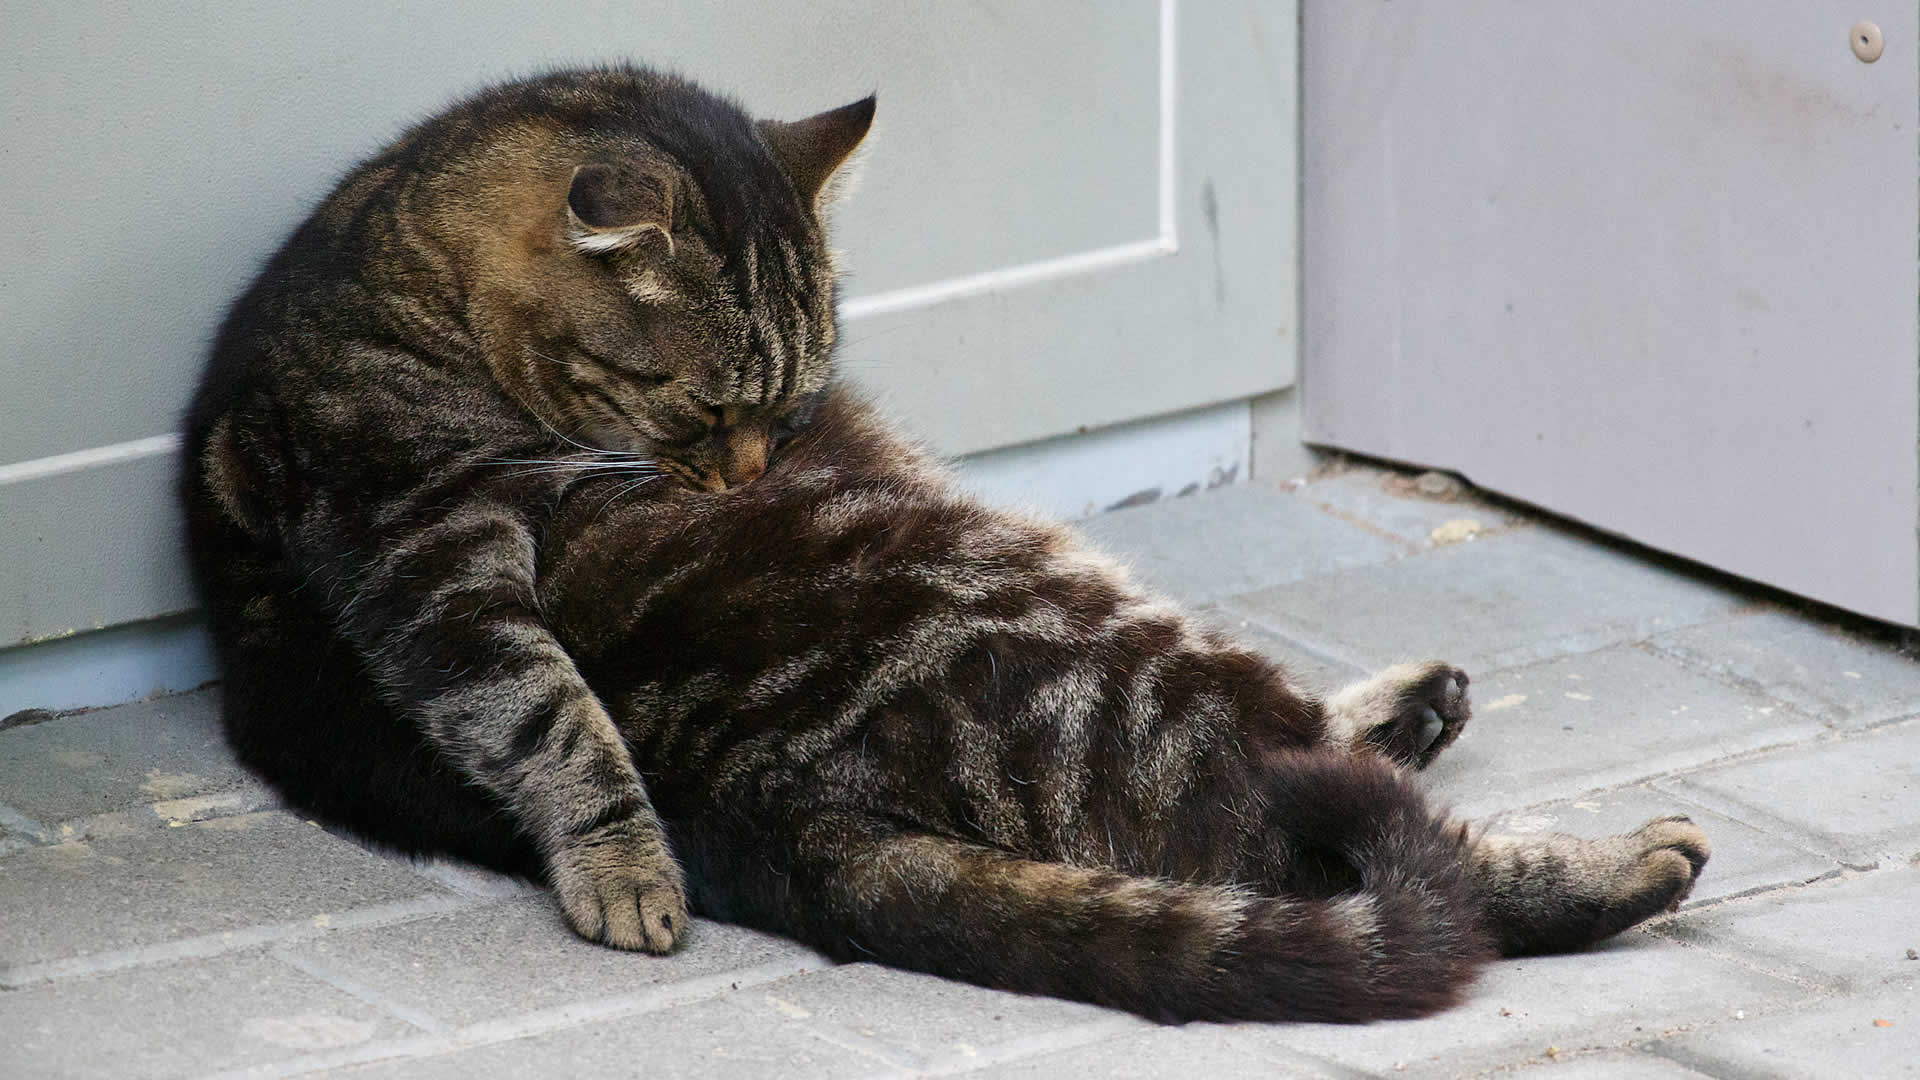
{"x":746,"y":458}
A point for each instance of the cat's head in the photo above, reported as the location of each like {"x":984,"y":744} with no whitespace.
{"x":675,"y":296}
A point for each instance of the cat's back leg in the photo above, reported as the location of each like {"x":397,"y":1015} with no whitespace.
{"x":1409,"y":712}
{"x":1552,"y":892}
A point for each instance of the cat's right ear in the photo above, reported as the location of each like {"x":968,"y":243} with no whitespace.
{"x":620,"y":205}
{"x":813,"y":151}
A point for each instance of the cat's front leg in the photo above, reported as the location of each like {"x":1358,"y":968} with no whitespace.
{"x":448,"y":622}
{"x":1409,"y":712}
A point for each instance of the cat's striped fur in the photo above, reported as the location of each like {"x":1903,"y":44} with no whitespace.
{"x":534,"y":530}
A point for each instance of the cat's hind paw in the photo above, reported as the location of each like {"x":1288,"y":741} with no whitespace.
{"x":1409,"y":712}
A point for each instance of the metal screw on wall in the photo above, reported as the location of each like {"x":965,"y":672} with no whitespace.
{"x":1867,"y":43}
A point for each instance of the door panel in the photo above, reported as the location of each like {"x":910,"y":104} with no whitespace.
{"x":1073,"y":214}
{"x":1653,"y":268}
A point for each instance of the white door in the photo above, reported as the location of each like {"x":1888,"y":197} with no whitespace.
{"x":1650,"y":265}
{"x":1075,"y":213}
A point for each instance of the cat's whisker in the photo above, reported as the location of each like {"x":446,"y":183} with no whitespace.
{"x":624,"y":488}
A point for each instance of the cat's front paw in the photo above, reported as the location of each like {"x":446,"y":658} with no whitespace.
{"x":619,"y":885}
{"x":1409,"y":712}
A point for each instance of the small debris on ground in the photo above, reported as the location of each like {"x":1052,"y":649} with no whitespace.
{"x":1882,"y":1023}
{"x":1439,"y":485}
{"x":1455,"y":531}
{"x":1913,"y":954}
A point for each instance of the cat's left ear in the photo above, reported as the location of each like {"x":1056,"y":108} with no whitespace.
{"x":612,"y":206}
{"x":812,"y":151}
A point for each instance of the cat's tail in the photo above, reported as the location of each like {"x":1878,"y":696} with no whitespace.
{"x":1404,"y":942}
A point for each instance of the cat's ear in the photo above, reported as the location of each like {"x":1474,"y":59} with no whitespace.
{"x":619,"y":205}
{"x":813,"y":150}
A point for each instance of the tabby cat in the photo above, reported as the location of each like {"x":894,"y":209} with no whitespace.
{"x":536,"y":530}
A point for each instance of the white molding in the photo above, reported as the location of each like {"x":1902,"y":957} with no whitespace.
{"x":91,"y":458}
{"x":1006,"y":278}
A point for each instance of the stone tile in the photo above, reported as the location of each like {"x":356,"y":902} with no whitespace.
{"x":1501,"y":602}
{"x":517,"y":955}
{"x":921,"y":1018}
{"x":703,"y":1040}
{"x":1824,"y":671}
{"x":1316,"y":673}
{"x":1745,"y":859}
{"x":1632,"y":987}
{"x":1379,"y":501}
{"x":180,"y":1020}
{"x":1834,"y":1038}
{"x":1195,"y":1050}
{"x":1857,"y":799}
{"x":1856,"y":930}
{"x":1605,"y":1065}
{"x":1598,"y":719}
{"x":1231,"y":540}
{"x":155,"y":885}
{"x":96,"y":762}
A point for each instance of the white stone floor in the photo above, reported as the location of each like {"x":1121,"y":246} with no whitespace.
{"x":160,"y":917}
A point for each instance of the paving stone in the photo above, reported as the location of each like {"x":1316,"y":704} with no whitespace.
{"x":1315,"y":673}
{"x":155,"y":885}
{"x":1605,"y":1065}
{"x":1856,"y":930}
{"x":1745,"y":859}
{"x":180,"y":1020}
{"x":1195,"y":1050}
{"x":96,"y":762}
{"x":1857,"y":799}
{"x":1633,"y":987}
{"x":708,"y":1039}
{"x":1824,"y":671}
{"x":1835,"y":1038}
{"x":1378,"y":501}
{"x":1595,"y":720}
{"x":518,"y":955}
{"x":1231,"y":540}
{"x":1501,"y":602}
{"x":922,"y":1019}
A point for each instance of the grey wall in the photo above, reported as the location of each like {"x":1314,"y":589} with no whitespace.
{"x":1649,"y":265}
{"x":1075,"y":214}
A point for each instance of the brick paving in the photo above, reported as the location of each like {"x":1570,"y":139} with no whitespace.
{"x":161,"y":917}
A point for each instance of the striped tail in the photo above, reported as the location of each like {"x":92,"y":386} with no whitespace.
{"x":1404,"y":943}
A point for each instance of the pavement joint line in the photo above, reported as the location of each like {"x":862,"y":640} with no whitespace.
{"x":528,"y":1025}
{"x":1313,"y":647}
{"x":468,"y":880}
{"x":902,"y":1061}
{"x":1236,"y":619}
{"x":1070,"y":1037}
{"x":354,"y":988}
{"x":167,"y":813}
{"x":1808,"y":837}
{"x":1769,"y":889}
{"x":1405,"y":548}
{"x":226,"y":941}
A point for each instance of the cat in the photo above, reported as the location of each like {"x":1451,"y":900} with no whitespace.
{"x":535,"y":529}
